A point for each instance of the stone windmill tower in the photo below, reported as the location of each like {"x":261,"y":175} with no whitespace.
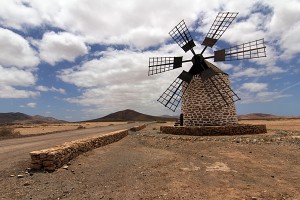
{"x":207,"y":97}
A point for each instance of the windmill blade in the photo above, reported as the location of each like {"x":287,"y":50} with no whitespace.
{"x":219,"y":92}
{"x":249,"y":50}
{"x":163,"y":64}
{"x":172,"y":96}
{"x":182,"y":36}
{"x":221,"y":23}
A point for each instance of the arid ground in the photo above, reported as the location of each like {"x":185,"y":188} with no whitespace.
{"x":150,"y":165}
{"x":49,"y":128}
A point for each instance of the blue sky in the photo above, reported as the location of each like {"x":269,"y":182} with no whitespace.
{"x":83,"y":59}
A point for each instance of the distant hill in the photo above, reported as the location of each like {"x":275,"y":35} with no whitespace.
{"x":130,"y":115}
{"x":21,"y":118}
{"x":264,"y":116}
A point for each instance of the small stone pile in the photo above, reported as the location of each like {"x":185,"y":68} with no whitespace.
{"x":138,"y":128}
{"x":53,"y":158}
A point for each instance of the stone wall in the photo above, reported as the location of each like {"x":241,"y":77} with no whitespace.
{"x":214,"y":130}
{"x":201,"y":103}
{"x":53,"y":158}
{"x":138,"y":128}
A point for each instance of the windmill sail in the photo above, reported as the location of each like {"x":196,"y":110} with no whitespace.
{"x":172,"y":96}
{"x":219,"y":92}
{"x":182,"y":36}
{"x":163,"y":64}
{"x":221,"y":23}
{"x":249,"y":50}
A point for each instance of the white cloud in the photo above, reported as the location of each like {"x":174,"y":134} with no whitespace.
{"x":56,"y":47}
{"x":16,"y":77}
{"x":291,"y":42}
{"x":119,"y":80}
{"x":254,"y":87}
{"x":17,"y":14}
{"x":13,"y":77}
{"x":257,"y":72}
{"x":253,"y":92}
{"x":8,"y":92}
{"x":31,"y":105}
{"x":52,"y":89}
{"x":16,"y":51}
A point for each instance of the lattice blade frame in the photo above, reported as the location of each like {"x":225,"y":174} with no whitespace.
{"x":249,"y":50}
{"x":162,"y":64}
{"x":219,"y":26}
{"x":220,"y":93}
{"x":173,"y":94}
{"x":182,"y":36}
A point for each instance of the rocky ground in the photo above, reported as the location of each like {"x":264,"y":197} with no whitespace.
{"x":149,"y":165}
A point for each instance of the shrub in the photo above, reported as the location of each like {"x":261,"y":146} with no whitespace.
{"x":80,"y":127}
{"x":8,"y":132}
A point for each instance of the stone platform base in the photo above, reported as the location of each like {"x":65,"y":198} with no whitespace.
{"x":240,"y":129}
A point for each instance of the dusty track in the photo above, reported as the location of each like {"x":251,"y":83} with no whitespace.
{"x":14,"y":151}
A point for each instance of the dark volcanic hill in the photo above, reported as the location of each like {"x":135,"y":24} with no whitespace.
{"x":21,"y":118}
{"x":11,"y":117}
{"x":130,"y":115}
{"x":264,"y":116}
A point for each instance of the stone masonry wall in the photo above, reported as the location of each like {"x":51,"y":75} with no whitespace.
{"x":239,"y":129}
{"x":53,"y":158}
{"x":201,"y":106}
{"x":138,"y":128}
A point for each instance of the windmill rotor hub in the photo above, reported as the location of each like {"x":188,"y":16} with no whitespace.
{"x":197,"y":59}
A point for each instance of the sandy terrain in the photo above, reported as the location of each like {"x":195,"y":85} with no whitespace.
{"x":150,"y":165}
{"x":280,"y":124}
{"x":48,"y":128}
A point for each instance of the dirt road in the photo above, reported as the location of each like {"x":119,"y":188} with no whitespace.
{"x":14,"y":151}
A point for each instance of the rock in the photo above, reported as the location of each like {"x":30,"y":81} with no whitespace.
{"x":26,"y":184}
{"x":65,"y":167}
{"x":12,"y":175}
{"x":20,"y":176}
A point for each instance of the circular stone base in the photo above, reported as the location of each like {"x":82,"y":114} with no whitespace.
{"x":239,"y":129}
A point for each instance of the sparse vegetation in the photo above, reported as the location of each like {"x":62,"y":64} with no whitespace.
{"x":161,"y":122}
{"x":6,"y":131}
{"x":80,"y":127}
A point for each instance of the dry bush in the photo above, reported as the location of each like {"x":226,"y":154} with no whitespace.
{"x":80,"y":127}
{"x":6,"y":131}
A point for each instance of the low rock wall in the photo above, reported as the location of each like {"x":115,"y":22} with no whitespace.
{"x":138,"y":128}
{"x":214,"y":130}
{"x":53,"y":158}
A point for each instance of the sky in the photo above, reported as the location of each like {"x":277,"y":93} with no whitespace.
{"x":83,"y":59}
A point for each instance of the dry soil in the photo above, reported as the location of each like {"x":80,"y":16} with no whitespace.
{"x":150,"y":165}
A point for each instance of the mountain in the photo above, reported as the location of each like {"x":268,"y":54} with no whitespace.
{"x":21,"y":118}
{"x":130,"y":115}
{"x":264,"y":116}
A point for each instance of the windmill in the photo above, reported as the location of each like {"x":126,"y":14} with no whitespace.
{"x":207,"y":97}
